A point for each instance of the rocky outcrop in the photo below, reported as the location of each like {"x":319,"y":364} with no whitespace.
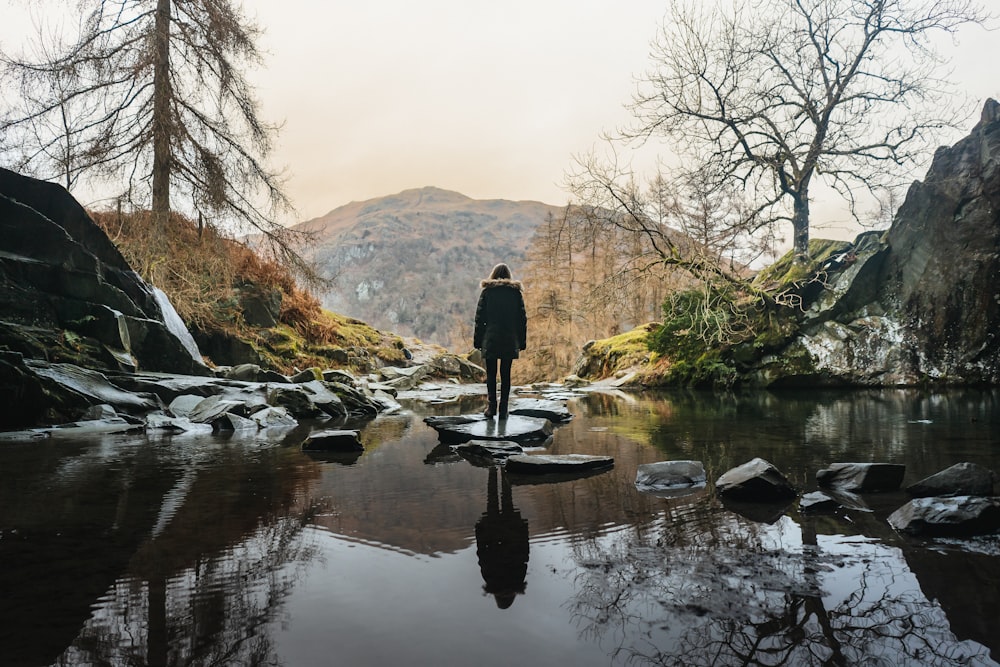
{"x":67,"y":294}
{"x":918,"y":303}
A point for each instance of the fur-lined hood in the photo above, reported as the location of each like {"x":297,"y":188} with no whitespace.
{"x":500,"y":282}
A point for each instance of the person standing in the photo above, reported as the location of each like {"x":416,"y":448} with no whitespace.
{"x":500,"y":333}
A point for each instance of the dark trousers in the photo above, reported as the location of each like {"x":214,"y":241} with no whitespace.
{"x":491,"y":383}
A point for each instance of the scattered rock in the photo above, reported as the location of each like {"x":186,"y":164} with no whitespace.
{"x":403,"y":379}
{"x":488,"y":451}
{"x":333,"y":441}
{"x":452,"y":365}
{"x":307,"y":375}
{"x":557,"y":463}
{"x":340,"y":375}
{"x":862,"y":477}
{"x":670,"y":476}
{"x":961,"y":479}
{"x":554,"y":411}
{"x":955,"y":516}
{"x":755,"y":481}
{"x":274,"y":417}
{"x":818,"y":502}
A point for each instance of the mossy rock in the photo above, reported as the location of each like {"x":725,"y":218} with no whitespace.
{"x":786,"y":272}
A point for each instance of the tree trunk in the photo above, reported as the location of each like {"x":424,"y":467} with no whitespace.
{"x":800,"y":227}
{"x":161,"y":121}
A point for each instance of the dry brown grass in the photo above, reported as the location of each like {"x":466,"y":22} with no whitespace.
{"x":200,"y":269}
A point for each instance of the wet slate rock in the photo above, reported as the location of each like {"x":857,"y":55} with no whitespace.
{"x":543,"y":464}
{"x":948,"y":517}
{"x":274,"y":417}
{"x":446,"y":421}
{"x":862,"y":477}
{"x":961,"y":479}
{"x":756,"y":480}
{"x":211,"y":409}
{"x":333,"y":440}
{"x":514,"y":428}
{"x":669,"y":476}
{"x":555,"y":411}
{"x":488,"y":451}
{"x":818,"y":502}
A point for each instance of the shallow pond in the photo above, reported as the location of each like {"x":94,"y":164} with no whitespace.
{"x":195,"y":550}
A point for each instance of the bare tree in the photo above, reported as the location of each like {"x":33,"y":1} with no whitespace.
{"x":775,"y":95}
{"x":162,"y":110}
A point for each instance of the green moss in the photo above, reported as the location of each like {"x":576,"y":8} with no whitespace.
{"x":787,"y":271}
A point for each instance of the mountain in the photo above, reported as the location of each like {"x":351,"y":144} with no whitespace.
{"x":411,"y":262}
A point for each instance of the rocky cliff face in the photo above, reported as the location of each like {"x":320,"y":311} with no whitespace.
{"x":67,"y":295}
{"x":919,"y":303}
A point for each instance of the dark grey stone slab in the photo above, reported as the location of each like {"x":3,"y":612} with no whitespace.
{"x":554,"y":411}
{"x":862,"y":477}
{"x":959,"y":515}
{"x":542,"y":464}
{"x":489,"y":451}
{"x":333,"y":440}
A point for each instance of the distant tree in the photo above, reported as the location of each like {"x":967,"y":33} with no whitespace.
{"x":773,"y":95}
{"x":150,"y":96}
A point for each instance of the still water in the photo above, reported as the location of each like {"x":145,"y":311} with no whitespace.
{"x":196,"y":550}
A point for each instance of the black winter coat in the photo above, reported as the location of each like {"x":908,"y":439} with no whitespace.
{"x":501,"y":321}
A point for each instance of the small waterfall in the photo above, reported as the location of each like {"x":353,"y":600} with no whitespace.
{"x":175,"y":324}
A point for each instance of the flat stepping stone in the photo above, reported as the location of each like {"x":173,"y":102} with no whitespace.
{"x":492,"y":451}
{"x":514,"y":428}
{"x":543,"y":464}
{"x":333,"y":440}
{"x":554,"y":411}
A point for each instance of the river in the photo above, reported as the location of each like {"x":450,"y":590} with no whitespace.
{"x":243,"y":550}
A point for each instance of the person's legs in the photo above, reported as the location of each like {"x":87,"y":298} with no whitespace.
{"x":491,"y":388}
{"x":504,"y":386}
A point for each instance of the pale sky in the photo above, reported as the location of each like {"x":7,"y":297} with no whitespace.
{"x":491,"y":99}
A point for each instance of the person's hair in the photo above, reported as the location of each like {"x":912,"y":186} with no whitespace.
{"x":500,"y":272}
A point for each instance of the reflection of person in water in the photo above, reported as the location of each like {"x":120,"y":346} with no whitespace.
{"x":502,"y":544}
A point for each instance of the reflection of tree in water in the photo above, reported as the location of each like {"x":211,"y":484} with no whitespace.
{"x":215,"y":613}
{"x":713,"y":589}
{"x":502,"y":543}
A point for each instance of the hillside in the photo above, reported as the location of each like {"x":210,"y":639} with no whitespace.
{"x":411,"y":262}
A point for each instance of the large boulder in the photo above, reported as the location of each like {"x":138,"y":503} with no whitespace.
{"x":61,"y":276}
{"x":917,"y":303}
